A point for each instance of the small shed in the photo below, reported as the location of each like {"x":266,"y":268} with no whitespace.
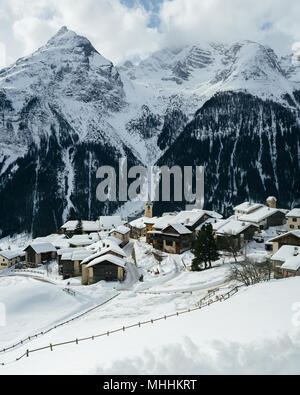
{"x":71,"y":262}
{"x":286,"y":262}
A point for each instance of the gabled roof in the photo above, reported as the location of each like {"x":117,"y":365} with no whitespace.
{"x":260,"y":214}
{"x":105,"y":251}
{"x":122,"y":229}
{"x":231,"y":227}
{"x":109,"y":258}
{"x":179,"y":228}
{"x":294,"y":213}
{"x":286,"y":254}
{"x":87,"y":226}
{"x":139,"y":223}
{"x":42,"y":248}
{"x":247,"y":207}
{"x":9,"y":254}
{"x":295,"y":233}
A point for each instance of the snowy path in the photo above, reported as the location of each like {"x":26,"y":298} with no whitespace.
{"x":133,"y":276}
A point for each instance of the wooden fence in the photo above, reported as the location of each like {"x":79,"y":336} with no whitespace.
{"x":209,"y":299}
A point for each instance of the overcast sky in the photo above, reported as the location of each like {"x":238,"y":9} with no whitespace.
{"x":130,"y":29}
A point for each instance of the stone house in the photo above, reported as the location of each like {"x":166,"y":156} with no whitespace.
{"x":9,"y":258}
{"x":121,"y":232}
{"x":286,"y":262}
{"x":293,"y":218}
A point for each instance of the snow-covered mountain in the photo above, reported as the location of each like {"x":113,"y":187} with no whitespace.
{"x":65,"y":110}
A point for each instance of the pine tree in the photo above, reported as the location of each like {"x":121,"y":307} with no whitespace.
{"x":199,"y":251}
{"x":211,"y":245}
{"x":79,"y":228}
{"x":205,"y":248}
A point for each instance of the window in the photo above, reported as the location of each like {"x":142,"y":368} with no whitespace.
{"x":292,"y":226}
{"x":294,"y":219}
{"x":169,"y":243}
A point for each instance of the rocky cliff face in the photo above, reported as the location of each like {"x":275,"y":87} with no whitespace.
{"x":65,"y":110}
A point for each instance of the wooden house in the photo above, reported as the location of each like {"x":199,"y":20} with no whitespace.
{"x":87,"y":227}
{"x":9,"y":258}
{"x":121,"y":232}
{"x":293,"y":218}
{"x":112,"y":249}
{"x":70,"y":262}
{"x":138,"y":227}
{"x":107,"y":267}
{"x":173,"y":239}
{"x":39,"y":253}
{"x":233,"y":233}
{"x":291,"y":238}
{"x":264,"y":217}
{"x":286,"y":262}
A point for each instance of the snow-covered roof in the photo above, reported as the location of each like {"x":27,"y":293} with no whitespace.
{"x":295,"y":233}
{"x":122,"y":229}
{"x":231,"y":226}
{"x":179,"y":228}
{"x":75,"y":254}
{"x":87,"y":226}
{"x":139,"y":223}
{"x":110,"y":221}
{"x":248,"y":207}
{"x":80,"y":240}
{"x":290,"y":256}
{"x":9,"y":254}
{"x":42,"y":248}
{"x":259,"y":214}
{"x":115,"y":249}
{"x":108,"y":257}
{"x":294,"y":213}
{"x":62,"y":251}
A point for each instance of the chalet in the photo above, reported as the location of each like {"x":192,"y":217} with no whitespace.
{"x":264,"y":217}
{"x":70,"y":263}
{"x":189,"y":219}
{"x":109,"y":250}
{"x":39,"y":253}
{"x":173,"y":238}
{"x":9,"y":258}
{"x":246,"y":208}
{"x":291,"y":238}
{"x":138,"y":228}
{"x":121,"y":232}
{"x":107,"y":222}
{"x":286,"y":262}
{"x":233,"y":232}
{"x":293,"y":218}
{"x":107,"y":267}
{"x":87,"y":227}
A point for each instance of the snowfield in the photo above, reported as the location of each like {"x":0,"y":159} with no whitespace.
{"x":254,"y":331}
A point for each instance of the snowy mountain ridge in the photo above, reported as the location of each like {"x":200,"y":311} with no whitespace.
{"x":65,"y":110}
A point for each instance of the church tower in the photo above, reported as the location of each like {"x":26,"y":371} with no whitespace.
{"x":148,"y":209}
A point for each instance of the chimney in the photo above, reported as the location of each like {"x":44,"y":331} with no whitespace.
{"x":272,"y":202}
{"x":296,"y":252}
